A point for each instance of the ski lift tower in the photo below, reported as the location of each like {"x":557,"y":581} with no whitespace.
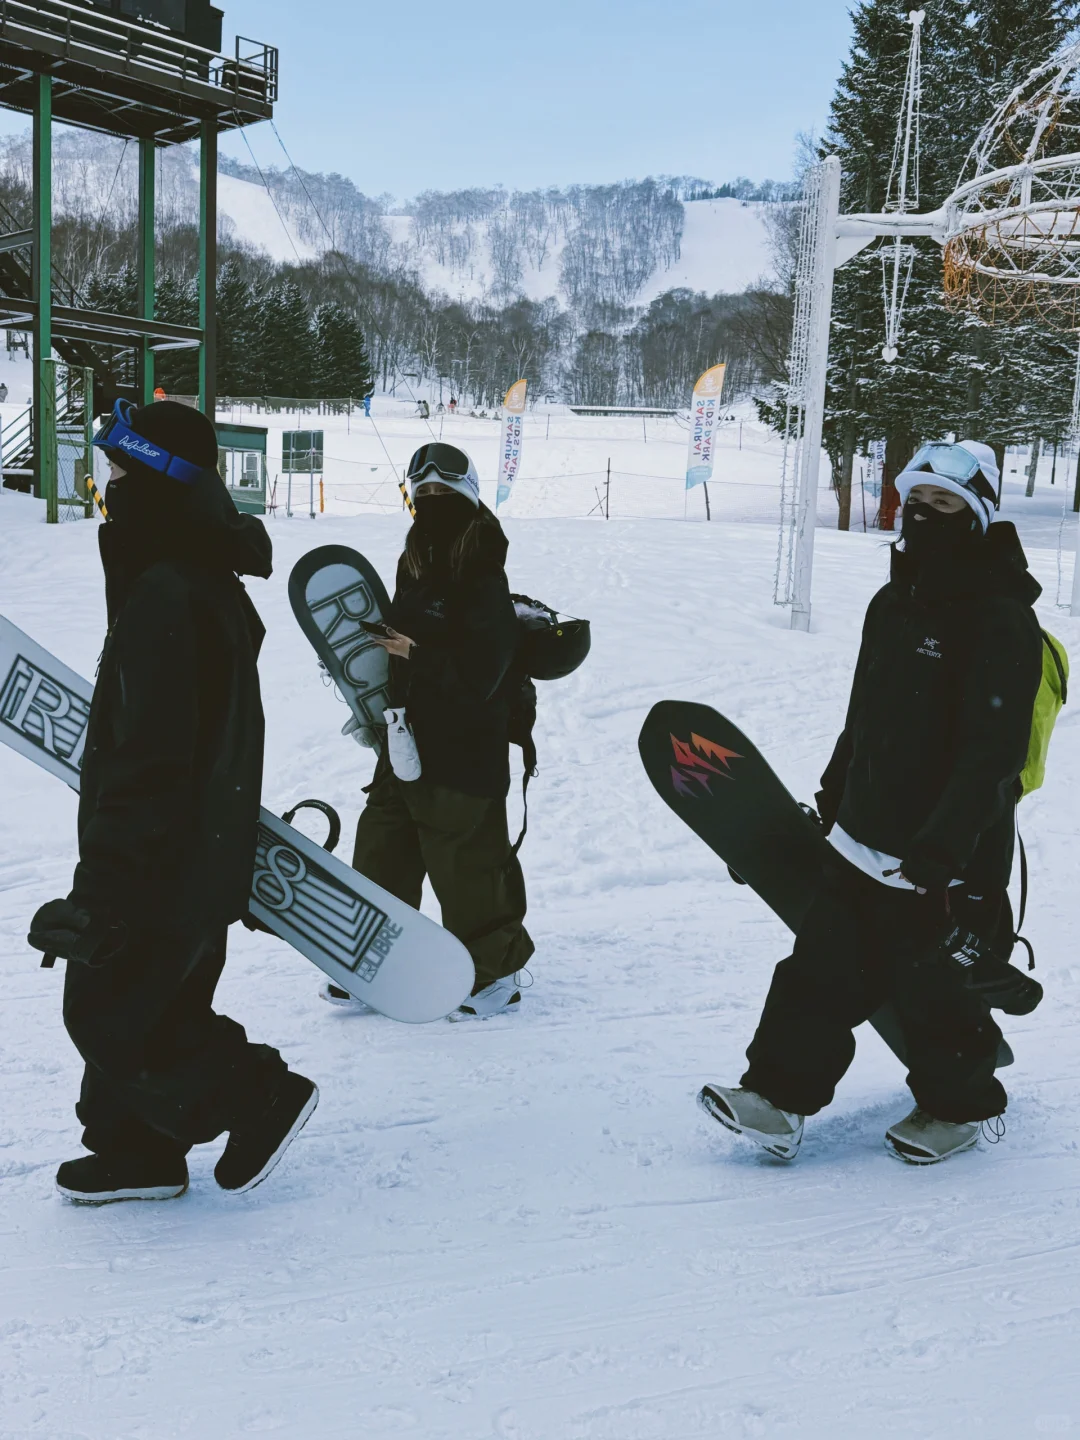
{"x":147,"y":71}
{"x":1010,"y":232}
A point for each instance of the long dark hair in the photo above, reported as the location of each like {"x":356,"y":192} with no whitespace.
{"x":483,"y":536}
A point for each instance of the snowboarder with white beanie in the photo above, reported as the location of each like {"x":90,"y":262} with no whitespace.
{"x":437,"y":805}
{"x":918,"y":803}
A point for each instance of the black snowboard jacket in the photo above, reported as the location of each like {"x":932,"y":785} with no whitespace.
{"x":939,"y":720}
{"x":456,"y":686}
{"x":172,"y":775}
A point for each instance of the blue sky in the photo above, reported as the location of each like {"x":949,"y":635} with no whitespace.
{"x":408,"y":95}
{"x":403,"y":97}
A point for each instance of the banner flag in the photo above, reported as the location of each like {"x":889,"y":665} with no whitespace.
{"x":704,"y":413}
{"x":514,"y":419}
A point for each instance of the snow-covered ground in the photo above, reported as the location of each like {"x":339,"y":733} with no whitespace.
{"x":524,"y":1230}
{"x":564,"y":467}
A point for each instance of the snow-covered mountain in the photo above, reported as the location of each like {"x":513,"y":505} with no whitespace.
{"x":615,"y":245}
{"x":723,"y":247}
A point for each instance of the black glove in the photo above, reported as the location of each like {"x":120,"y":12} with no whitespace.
{"x":927,"y":871}
{"x":828,"y":807}
{"x":812,"y":815}
{"x":253,"y":923}
{"x":968,"y":948}
{"x":61,"y":928}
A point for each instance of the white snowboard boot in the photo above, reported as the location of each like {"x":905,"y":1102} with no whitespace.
{"x":501,"y":998}
{"x":747,"y":1113}
{"x":920,"y":1139}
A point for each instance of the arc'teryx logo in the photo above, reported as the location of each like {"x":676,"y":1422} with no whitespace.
{"x":693,"y":774}
{"x":931,"y":648}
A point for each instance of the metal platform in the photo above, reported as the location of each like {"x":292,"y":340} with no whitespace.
{"x":86,"y":66}
{"x":126,"y":79}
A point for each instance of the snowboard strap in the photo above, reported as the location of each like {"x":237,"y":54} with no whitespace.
{"x":332,"y":817}
{"x":1020,"y":940}
{"x":528,"y":753}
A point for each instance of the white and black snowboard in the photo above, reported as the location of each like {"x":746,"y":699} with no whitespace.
{"x":332,"y":590}
{"x":370,"y":943}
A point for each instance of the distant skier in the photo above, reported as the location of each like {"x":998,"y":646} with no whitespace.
{"x":367,"y":406}
{"x":453,"y":406}
{"x":167,"y":825}
{"x":918,"y":802}
{"x":454,"y":637}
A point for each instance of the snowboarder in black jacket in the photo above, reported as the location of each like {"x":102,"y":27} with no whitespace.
{"x":918,"y":801}
{"x":168,"y":814}
{"x":453,"y":642}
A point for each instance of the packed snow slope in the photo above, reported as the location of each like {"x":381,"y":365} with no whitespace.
{"x":725,"y":248}
{"x":524,"y":1229}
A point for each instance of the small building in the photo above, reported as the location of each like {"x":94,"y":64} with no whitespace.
{"x":242,"y":464}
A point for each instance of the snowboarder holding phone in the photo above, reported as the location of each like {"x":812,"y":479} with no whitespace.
{"x":918,"y":802}
{"x":437,"y":806}
{"x":168,"y":813}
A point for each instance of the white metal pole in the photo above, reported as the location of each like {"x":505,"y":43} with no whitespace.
{"x":809,"y":470}
{"x":1071,"y":484}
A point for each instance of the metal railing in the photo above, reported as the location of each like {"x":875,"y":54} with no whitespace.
{"x":17,"y":444}
{"x":252,"y":73}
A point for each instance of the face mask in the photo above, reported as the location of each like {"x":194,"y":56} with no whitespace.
{"x":441,"y":519}
{"x":933,"y":537}
{"x":131,"y":499}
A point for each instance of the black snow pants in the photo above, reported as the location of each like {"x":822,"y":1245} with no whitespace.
{"x":460,"y":842}
{"x":163,"y":1071}
{"x":863,"y":943}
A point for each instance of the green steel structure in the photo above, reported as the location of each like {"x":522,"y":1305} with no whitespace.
{"x":76,"y":62}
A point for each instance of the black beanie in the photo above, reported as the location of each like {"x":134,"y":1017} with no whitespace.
{"x":180,"y":429}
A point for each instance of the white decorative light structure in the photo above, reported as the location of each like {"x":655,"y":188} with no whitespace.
{"x":1011,"y":238}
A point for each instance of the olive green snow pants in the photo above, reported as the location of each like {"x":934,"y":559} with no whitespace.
{"x":461,"y":843}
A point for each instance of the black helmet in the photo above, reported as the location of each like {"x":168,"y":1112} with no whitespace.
{"x":550,"y":647}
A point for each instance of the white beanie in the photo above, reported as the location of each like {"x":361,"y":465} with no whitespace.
{"x":980,"y":492}
{"x":467,"y":485}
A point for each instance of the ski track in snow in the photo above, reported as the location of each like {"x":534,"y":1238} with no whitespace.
{"x":524,"y":1230}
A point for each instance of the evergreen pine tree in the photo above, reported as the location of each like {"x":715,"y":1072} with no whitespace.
{"x":283,"y":346}
{"x":177,"y":303}
{"x":954,"y":372}
{"x":342,"y":368}
{"x":236,"y":332}
{"x":1017,"y":373}
{"x":869,"y":398}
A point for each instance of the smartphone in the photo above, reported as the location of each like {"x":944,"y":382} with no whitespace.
{"x":376,"y":627}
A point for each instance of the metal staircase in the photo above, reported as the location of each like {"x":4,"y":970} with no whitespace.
{"x":113,"y":367}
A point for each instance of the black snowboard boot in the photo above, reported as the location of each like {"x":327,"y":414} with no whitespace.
{"x":257,"y":1143}
{"x":96,"y":1179}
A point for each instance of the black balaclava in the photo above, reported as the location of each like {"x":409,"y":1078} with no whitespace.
{"x":442,"y":519}
{"x":937,"y":541}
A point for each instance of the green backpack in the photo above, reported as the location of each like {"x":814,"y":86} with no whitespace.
{"x":1053,"y":694}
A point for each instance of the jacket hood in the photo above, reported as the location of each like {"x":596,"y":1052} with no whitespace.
{"x":487,"y":558}
{"x":996,"y":565}
{"x":153,"y":519}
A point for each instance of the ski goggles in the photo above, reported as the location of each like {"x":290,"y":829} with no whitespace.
{"x":117,"y":434}
{"x":952,"y":462}
{"x":448,"y":462}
